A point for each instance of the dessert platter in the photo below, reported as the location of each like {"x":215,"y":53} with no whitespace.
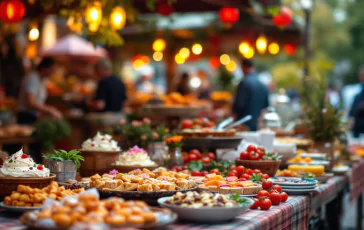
{"x":205,"y":207}
{"x":134,"y":158}
{"x":87,"y":209}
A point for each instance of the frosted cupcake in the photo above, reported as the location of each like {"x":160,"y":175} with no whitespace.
{"x":135,"y":156}
{"x":100,"y":142}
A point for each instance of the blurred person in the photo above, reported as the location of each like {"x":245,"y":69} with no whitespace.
{"x":33,"y":94}
{"x":144,"y":84}
{"x":357,"y":108}
{"x":111,"y":91}
{"x":252,"y":96}
{"x":183,"y":87}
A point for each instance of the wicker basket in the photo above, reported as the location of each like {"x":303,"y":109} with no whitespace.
{"x":268,"y":167}
{"x":10,"y":184}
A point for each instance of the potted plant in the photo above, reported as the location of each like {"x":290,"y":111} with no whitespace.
{"x":136,"y":133}
{"x":64,"y":164}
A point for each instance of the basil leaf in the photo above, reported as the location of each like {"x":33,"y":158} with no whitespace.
{"x":195,"y":165}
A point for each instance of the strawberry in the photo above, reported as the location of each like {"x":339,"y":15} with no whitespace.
{"x":39,"y":167}
{"x":24,"y":156}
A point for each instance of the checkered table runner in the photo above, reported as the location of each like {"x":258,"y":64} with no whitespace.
{"x":356,"y":179}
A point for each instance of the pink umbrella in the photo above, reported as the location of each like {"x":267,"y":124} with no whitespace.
{"x":74,"y":46}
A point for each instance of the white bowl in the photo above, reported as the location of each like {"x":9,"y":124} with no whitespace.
{"x":205,"y":214}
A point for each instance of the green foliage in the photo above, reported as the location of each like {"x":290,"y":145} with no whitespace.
{"x":195,"y":165}
{"x":242,"y":201}
{"x":62,"y":155}
{"x":48,"y":131}
{"x":225,"y":79}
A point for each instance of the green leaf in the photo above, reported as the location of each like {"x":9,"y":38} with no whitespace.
{"x":195,"y":165}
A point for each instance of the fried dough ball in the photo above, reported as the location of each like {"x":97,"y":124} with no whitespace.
{"x":115,"y":219}
{"x":149,"y":217}
{"x":15,"y":196}
{"x":25,"y":198}
{"x":7,"y":200}
{"x":136,"y":219}
{"x":125,"y":212}
{"x":62,"y":220}
{"x":45,"y":213}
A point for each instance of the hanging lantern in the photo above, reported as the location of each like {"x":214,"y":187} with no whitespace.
{"x":273,"y":48}
{"x":117,"y":18}
{"x":159,"y":45}
{"x":229,"y":15}
{"x":214,"y":63}
{"x":164,"y":9}
{"x":197,"y":49}
{"x":12,"y":11}
{"x":75,"y":24}
{"x":261,"y":44}
{"x":284,"y":18}
{"x":93,"y":16}
{"x":33,"y":34}
{"x":290,"y":49}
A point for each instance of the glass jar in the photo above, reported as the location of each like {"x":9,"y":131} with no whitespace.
{"x":175,"y":157}
{"x":158,"y":152}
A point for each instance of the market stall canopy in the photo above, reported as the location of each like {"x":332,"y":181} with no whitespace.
{"x":74,"y":46}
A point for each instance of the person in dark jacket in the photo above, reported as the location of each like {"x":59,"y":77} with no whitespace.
{"x":357,"y":109}
{"x":251,"y":96}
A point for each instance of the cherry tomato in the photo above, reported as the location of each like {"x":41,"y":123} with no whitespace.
{"x":178,"y":168}
{"x":244,"y":155}
{"x":245,"y":176}
{"x":186,"y":124}
{"x":197,"y":153}
{"x":277,"y":188}
{"x":255,"y":205}
{"x":265,"y":176}
{"x":249,"y":171}
{"x":240,"y":169}
{"x":257,"y":171}
{"x":232,"y":167}
{"x":196,"y":173}
{"x":211,"y":156}
{"x":206,"y":160}
{"x":265,"y":204}
{"x":284,"y":197}
{"x":186,"y":159}
{"x":275,"y":197}
{"x":216,"y":171}
{"x":204,"y":173}
{"x":192,"y":157}
{"x":251,"y":148}
{"x":233,"y":173}
{"x":253,"y":156}
{"x":262,"y":193}
{"x":184,"y":167}
{"x":267,"y":184}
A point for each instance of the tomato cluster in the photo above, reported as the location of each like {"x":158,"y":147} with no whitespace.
{"x":179,"y":168}
{"x":244,"y":173}
{"x":271,"y":195}
{"x":257,"y":153}
{"x":196,"y":155}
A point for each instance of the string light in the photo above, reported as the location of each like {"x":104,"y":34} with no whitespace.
{"x":224,"y":59}
{"x":273,"y":48}
{"x":184,"y":52}
{"x":244,"y":47}
{"x":159,"y":45}
{"x":231,"y":66}
{"x":117,"y":18}
{"x":157,"y":56}
{"x":196,"y":49}
{"x":33,"y":34}
{"x":261,"y":44}
{"x":179,"y":60}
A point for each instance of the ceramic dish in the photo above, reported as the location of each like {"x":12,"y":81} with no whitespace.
{"x":297,"y":191}
{"x":300,"y":187}
{"x":324,"y":178}
{"x":206,"y":214}
{"x":18,"y":209}
{"x":293,"y":181}
{"x":340,"y":170}
{"x":313,"y":162}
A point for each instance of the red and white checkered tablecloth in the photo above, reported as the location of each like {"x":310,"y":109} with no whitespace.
{"x":356,"y":180}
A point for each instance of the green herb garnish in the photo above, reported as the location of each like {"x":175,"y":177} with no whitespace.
{"x":242,"y":201}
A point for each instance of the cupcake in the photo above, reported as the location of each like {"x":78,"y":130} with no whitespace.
{"x":135,"y":156}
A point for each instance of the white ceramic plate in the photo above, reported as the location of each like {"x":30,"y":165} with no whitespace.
{"x":297,"y":191}
{"x":18,"y":209}
{"x":205,"y":214}
{"x":299,"y":187}
{"x":249,"y":195}
{"x":310,"y":182}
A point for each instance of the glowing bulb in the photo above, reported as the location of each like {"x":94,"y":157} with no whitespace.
{"x":93,"y":16}
{"x":184,"y":52}
{"x":179,"y":60}
{"x":231,"y":66}
{"x":159,"y":45}
{"x":250,"y":53}
{"x":196,"y":49}
{"x":33,"y":34}
{"x":137,"y":64}
{"x":117,"y":18}
{"x":224,"y":59}
{"x":195,"y":82}
{"x":273,"y":48}
{"x":261,"y":44}
{"x":244,"y":47}
{"x":157,"y":56}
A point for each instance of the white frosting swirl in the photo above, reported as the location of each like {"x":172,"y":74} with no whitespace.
{"x":22,"y":165}
{"x":100,"y":143}
{"x":135,"y":156}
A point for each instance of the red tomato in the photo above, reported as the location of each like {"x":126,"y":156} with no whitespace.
{"x":204,"y":173}
{"x":232,"y":167}
{"x":253,"y":156}
{"x":262,"y":193}
{"x":284,"y":197}
{"x":261,"y":152}
{"x":249,"y":172}
{"x":242,"y":179}
{"x":255,"y":205}
{"x":216,"y":171}
{"x":178,"y":168}
{"x":196,"y":173}
{"x":277,"y":188}
{"x":275,"y":197}
{"x":240,"y":169}
{"x":197,"y":153}
{"x":184,"y":167}
{"x":211,"y":156}
{"x":251,"y":148}
{"x":244,"y":155}
{"x":265,"y":176}
{"x":186,"y":159}
{"x":192,"y":157}
{"x":257,"y":171}
{"x":186,"y":124}
{"x":233,"y":173}
{"x":267,"y":184}
{"x":265,"y":204}
{"x":260,"y":149}
{"x":206,"y":160}
{"x":245,"y":176}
